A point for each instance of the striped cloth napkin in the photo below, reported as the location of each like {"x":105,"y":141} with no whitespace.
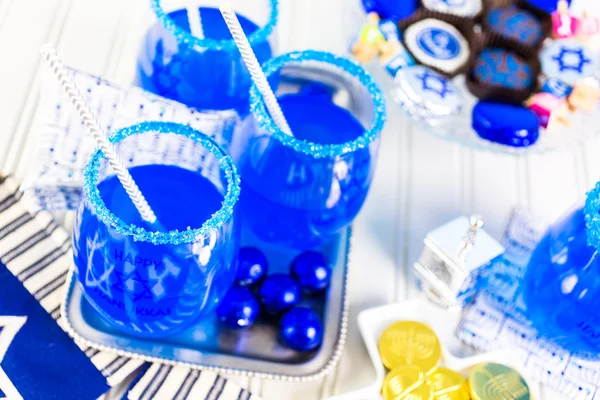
{"x":36,"y":250}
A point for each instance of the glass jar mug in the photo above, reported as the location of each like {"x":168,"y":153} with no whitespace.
{"x":156,"y":280}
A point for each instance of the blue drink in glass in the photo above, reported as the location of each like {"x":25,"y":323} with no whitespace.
{"x":206,"y":73}
{"x":562,"y":286}
{"x":156,"y":283}
{"x":301,"y":190}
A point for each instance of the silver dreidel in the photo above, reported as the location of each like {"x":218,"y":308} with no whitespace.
{"x":452,"y":261}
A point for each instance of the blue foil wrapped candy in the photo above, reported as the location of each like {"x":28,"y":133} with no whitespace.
{"x":507,"y":124}
{"x":239,"y":308}
{"x":278,"y":293}
{"x":312,"y":271}
{"x":301,"y":329}
{"x":252,"y":266}
{"x":391,"y":9}
{"x":426,"y":95}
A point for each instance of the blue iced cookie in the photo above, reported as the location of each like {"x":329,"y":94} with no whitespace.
{"x":392,"y":9}
{"x":517,"y":24}
{"x":437,"y":44}
{"x":568,"y":60}
{"x":507,"y":124}
{"x":502,"y":69}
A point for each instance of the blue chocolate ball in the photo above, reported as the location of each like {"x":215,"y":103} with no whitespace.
{"x":391,"y":9}
{"x":252,"y":266}
{"x":311,"y":271}
{"x":278,"y":293}
{"x":301,"y":329}
{"x":501,"y":68}
{"x":507,"y":124}
{"x":239,"y":308}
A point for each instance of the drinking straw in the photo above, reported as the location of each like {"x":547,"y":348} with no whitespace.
{"x":95,"y":130}
{"x":257,"y":74}
{"x":194,"y":21}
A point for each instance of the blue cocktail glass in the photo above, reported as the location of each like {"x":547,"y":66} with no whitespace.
{"x":301,"y":190}
{"x":561,"y":287}
{"x":205,"y":73}
{"x":155,"y":283}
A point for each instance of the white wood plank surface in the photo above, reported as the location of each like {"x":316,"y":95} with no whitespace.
{"x":421,"y":182}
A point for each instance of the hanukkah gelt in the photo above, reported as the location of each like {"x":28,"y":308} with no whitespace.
{"x":410,"y":343}
{"x":425,"y":94}
{"x":490,"y":381}
{"x":406,"y":382}
{"x":448,"y":385}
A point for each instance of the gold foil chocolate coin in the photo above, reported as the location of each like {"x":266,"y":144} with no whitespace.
{"x":406,"y":382}
{"x":492,"y":381}
{"x":448,"y":385}
{"x":410,"y":343}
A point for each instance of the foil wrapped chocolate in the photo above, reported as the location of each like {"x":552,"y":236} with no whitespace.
{"x":454,"y":257}
{"x":426,"y":95}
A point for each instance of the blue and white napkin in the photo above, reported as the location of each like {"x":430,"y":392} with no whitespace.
{"x":41,"y":362}
{"x":497,"y":319}
{"x":55,"y":179}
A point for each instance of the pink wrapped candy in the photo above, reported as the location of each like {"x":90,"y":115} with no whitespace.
{"x":564,"y":25}
{"x":548,"y":108}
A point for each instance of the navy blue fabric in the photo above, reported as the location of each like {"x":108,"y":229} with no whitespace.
{"x":42,"y":362}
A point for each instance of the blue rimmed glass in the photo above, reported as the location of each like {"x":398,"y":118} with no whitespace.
{"x":301,"y":190}
{"x":206,"y":73}
{"x":155,"y":283}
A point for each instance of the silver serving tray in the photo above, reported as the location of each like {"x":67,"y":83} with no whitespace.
{"x":254,"y":352}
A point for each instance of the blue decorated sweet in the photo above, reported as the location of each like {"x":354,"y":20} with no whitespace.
{"x":311,"y":270}
{"x":252,"y":266}
{"x":548,"y":6}
{"x":391,"y":9}
{"x":568,"y":60}
{"x":511,"y":125}
{"x":239,"y":308}
{"x":278,"y":293}
{"x":517,"y":24}
{"x":502,"y":68}
{"x":301,"y":329}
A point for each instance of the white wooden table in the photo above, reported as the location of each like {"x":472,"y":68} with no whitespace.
{"x":421,"y":182}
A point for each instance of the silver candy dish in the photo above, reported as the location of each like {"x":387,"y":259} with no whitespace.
{"x":256,"y":351}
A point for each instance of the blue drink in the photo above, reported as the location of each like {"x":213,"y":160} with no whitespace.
{"x":204,"y":73}
{"x":301,"y":191}
{"x":151,"y":283}
{"x":562,"y":287}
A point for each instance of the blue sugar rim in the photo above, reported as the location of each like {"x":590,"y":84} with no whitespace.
{"x":592,"y":216}
{"x":258,"y":36}
{"x":175,"y":236}
{"x":317,"y":150}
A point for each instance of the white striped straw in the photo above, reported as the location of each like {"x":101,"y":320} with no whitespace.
{"x":257,"y":74}
{"x":194,"y":20}
{"x":93,"y":126}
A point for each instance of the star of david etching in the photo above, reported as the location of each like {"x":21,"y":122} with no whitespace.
{"x":134,"y":285}
{"x":434,"y":83}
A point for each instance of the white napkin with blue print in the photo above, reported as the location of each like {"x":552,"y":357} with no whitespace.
{"x":497,"y":318}
{"x":63,"y":147}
